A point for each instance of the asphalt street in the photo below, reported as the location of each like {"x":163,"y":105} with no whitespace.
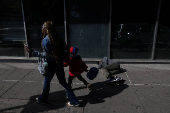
{"x":146,"y":90}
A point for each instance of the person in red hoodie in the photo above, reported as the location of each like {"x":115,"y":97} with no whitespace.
{"x":76,"y":67}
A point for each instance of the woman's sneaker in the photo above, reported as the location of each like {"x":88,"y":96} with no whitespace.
{"x":88,"y":86}
{"x":72,"y":105}
{"x":40,"y":102}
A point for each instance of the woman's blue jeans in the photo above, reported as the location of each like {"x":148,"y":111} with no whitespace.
{"x":57,"y":69}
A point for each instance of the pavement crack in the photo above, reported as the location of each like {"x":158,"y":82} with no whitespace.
{"x":6,"y":77}
{"x":16,"y":83}
{"x":139,"y":99}
{"x":136,"y":92}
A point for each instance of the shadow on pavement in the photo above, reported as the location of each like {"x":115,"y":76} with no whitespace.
{"x":56,"y":101}
{"x":99,"y":92}
{"x":33,"y":107}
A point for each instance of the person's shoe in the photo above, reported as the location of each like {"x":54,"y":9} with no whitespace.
{"x":109,"y":80}
{"x":72,"y":105}
{"x":88,"y":86}
{"x":120,"y":80}
{"x":40,"y":102}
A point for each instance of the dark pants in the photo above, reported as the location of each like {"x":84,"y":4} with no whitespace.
{"x":57,"y":69}
{"x":70,"y":79}
{"x":111,"y":69}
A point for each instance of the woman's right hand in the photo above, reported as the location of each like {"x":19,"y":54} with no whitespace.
{"x":28,"y":49}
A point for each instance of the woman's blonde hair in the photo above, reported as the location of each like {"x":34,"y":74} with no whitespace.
{"x":56,"y":42}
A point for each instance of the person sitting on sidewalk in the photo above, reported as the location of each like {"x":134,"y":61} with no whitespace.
{"x":76,"y":67}
{"x":109,"y":68}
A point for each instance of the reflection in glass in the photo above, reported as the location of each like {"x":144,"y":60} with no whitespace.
{"x":36,"y":13}
{"x":162,"y":48}
{"x":132,"y":29}
{"x":12,"y":36}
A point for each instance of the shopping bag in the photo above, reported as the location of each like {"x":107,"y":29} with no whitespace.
{"x":43,"y":66}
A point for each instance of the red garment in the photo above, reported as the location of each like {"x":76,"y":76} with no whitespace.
{"x":76,"y":65}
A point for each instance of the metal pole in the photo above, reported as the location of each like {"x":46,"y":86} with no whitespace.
{"x":155,"y":31}
{"x":65,"y":25}
{"x":24,"y":25}
{"x":110,"y":31}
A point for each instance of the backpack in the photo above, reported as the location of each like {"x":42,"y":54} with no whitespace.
{"x":92,"y":73}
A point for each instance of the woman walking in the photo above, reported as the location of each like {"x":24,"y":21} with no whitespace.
{"x":53,"y":47}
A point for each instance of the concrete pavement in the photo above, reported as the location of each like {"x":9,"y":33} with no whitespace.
{"x":146,"y":90}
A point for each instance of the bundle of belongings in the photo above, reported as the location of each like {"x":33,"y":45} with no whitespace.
{"x":109,"y":69}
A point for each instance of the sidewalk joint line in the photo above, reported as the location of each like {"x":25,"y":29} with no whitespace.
{"x":128,"y":78}
{"x":15,"y":83}
{"x":139,"y":98}
{"x":82,"y":83}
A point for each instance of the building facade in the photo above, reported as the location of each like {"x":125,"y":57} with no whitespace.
{"x":114,"y":28}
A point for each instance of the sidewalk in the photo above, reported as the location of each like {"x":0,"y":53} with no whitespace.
{"x":146,"y":90}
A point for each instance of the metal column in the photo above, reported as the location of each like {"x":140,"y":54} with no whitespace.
{"x":24,"y":25}
{"x":110,"y":28}
{"x":65,"y":25}
{"x":155,"y":31}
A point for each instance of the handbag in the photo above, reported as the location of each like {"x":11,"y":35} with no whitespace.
{"x":43,"y":66}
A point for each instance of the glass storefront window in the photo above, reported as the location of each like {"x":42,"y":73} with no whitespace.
{"x":162,"y":48}
{"x":132,"y":26}
{"x":132,"y":29}
{"x":36,"y":12}
{"x":88,"y":26}
{"x":12,"y":35}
